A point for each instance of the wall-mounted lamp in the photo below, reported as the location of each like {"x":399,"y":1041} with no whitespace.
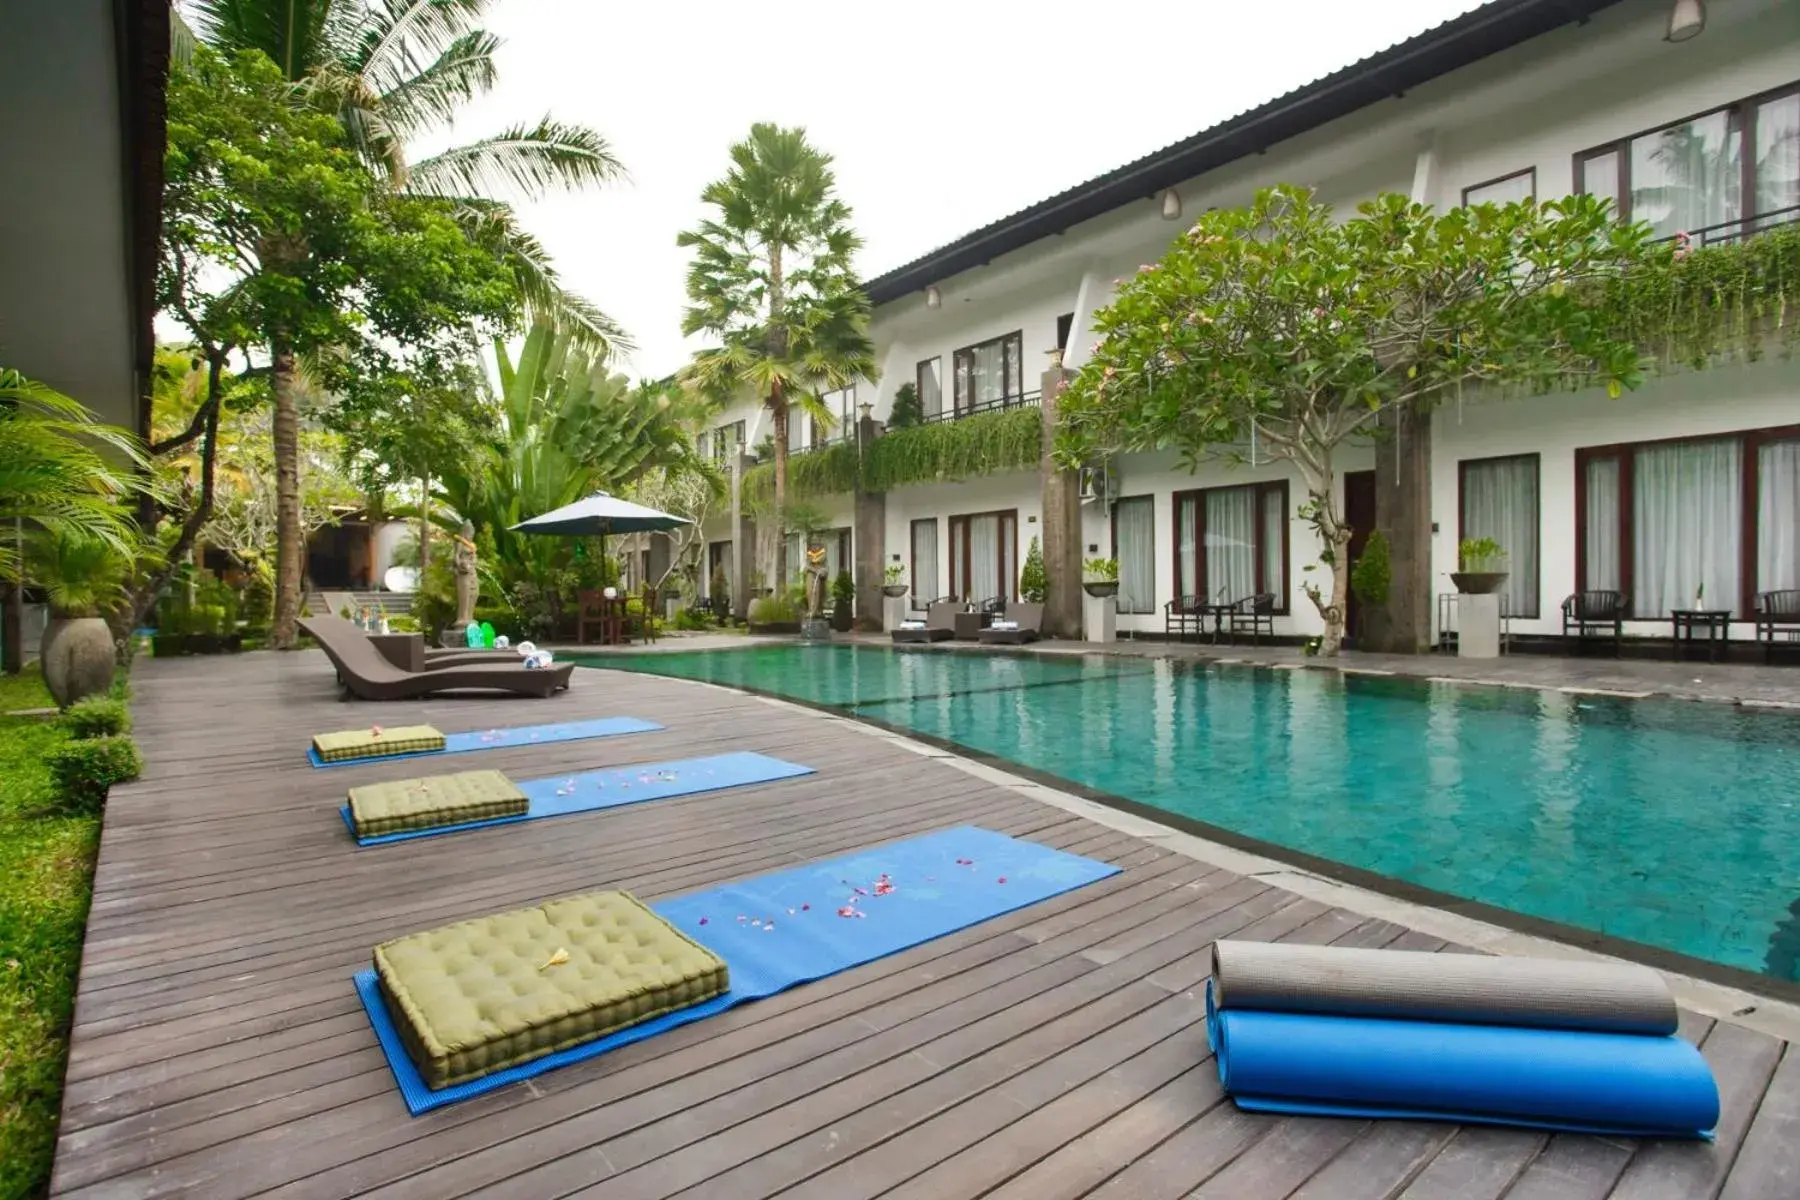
{"x":933,"y":297}
{"x":1686,"y":20}
{"x":865,"y":409}
{"x":1171,"y":204}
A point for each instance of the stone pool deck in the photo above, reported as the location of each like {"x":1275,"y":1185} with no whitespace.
{"x":219,"y":1049}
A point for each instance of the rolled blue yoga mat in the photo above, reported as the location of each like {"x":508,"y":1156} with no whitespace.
{"x":1570,"y":1080}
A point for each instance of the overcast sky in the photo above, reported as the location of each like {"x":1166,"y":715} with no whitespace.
{"x":942,"y":116}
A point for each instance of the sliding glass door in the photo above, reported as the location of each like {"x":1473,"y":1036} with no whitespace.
{"x":924,"y":562}
{"x":984,"y":556}
{"x":1134,"y":546}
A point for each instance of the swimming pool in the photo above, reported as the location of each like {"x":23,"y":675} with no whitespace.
{"x":1673,"y":824}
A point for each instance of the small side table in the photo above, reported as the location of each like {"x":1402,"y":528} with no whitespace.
{"x":1714,"y":622}
{"x":404,"y":650}
{"x":970,"y":624}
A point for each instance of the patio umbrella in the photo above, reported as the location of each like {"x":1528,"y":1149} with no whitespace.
{"x":601,"y":514}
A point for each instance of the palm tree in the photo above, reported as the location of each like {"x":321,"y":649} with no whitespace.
{"x":772,"y":280}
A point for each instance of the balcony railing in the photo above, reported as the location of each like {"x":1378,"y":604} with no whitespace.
{"x":1726,"y":232}
{"x":1001,"y":404}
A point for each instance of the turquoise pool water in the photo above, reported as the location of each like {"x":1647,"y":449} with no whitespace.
{"x":1668,"y":823}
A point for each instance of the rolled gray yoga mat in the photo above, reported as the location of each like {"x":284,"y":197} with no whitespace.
{"x":1473,"y":989}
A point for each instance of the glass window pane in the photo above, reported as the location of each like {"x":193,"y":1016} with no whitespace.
{"x":1187,"y":522}
{"x":931,"y":386}
{"x":1500,"y":501}
{"x":1230,"y":544}
{"x":1600,"y":176}
{"x":1134,"y":545}
{"x":1274,"y":543}
{"x":984,"y":558}
{"x":1600,"y":530}
{"x":1015,"y":367}
{"x":1687,"y":510}
{"x":964,"y":382}
{"x":1688,"y":176}
{"x":1502,"y":191}
{"x":988,"y":373}
{"x":924,"y":562}
{"x":1778,"y":516}
{"x":1778,"y":157}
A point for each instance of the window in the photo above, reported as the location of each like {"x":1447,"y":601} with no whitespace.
{"x":703,"y":445}
{"x":1520,"y":185}
{"x":1707,"y":172}
{"x":1691,"y":522}
{"x":924,"y":561}
{"x":842,"y":406}
{"x":1498,"y":499}
{"x":931,"y":387}
{"x":728,"y":443}
{"x":798,"y":426}
{"x":718,"y":557}
{"x":984,"y":556}
{"x":1134,"y":546}
{"x":1232,"y":543}
{"x":1064,"y":324}
{"x":989,"y":374}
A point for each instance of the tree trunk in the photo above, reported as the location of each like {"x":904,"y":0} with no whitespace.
{"x":424,"y":526}
{"x":1333,"y":640}
{"x":779,"y":411}
{"x":1403,"y":514}
{"x":12,"y":630}
{"x":290,"y":538}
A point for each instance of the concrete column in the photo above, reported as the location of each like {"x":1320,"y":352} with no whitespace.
{"x":743,"y":541}
{"x":870,"y":538}
{"x":1403,"y":514}
{"x":1062,"y":522}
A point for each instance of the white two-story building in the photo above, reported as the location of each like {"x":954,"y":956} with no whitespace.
{"x":1692,"y":480}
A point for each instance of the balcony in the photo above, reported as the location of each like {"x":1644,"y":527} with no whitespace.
{"x":1001,"y":404}
{"x":1737,"y":230}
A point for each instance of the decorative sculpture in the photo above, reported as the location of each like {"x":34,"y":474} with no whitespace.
{"x":815,"y":580}
{"x":463,"y":562}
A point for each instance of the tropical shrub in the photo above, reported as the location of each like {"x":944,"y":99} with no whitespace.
{"x":907,"y":411}
{"x":85,"y":770}
{"x":1372,"y":576}
{"x":774,"y":610}
{"x":95,"y":717}
{"x":1033,"y":584}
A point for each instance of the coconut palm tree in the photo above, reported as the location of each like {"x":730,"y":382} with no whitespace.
{"x":772,"y":280}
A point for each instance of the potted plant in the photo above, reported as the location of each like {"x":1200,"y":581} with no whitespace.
{"x":843,"y":602}
{"x":893,"y":581}
{"x":83,"y":576}
{"x":1033,"y":581}
{"x":1100,"y":577}
{"x":1483,"y":563}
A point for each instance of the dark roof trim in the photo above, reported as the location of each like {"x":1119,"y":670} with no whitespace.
{"x":1467,"y":39}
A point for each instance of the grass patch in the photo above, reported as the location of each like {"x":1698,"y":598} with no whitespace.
{"x":46,"y":879}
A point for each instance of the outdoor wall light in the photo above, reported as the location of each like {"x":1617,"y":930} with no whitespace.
{"x":933,"y":298}
{"x":1686,"y":20}
{"x":866,"y":408}
{"x":1171,"y":204}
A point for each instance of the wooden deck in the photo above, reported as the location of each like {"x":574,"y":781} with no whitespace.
{"x":220,"y":1051}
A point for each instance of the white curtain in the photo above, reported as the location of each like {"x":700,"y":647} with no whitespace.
{"x":1230,"y":544}
{"x":1687,"y":176}
{"x":924,"y":563}
{"x":1778,"y":516}
{"x":1687,"y":502}
{"x":796,"y":558}
{"x":931,"y":386}
{"x":1135,"y":520}
{"x":1009,"y":566}
{"x":1601,"y":525}
{"x":1186,"y":561}
{"x":1500,"y":501}
{"x":834,"y":545}
{"x":1778,"y":157}
{"x":984,"y":558}
{"x":797,"y":423}
{"x":989,"y":372}
{"x":1274,"y":544}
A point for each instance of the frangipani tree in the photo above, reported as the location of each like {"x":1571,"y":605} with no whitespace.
{"x":1279,"y":327}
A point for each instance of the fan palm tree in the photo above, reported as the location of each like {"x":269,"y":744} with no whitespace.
{"x":772,"y":280}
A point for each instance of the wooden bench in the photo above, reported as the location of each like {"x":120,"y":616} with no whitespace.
{"x":1777,"y":613}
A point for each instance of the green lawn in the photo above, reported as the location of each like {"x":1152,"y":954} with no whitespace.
{"x":46,"y":875}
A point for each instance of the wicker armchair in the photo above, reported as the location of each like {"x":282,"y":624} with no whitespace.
{"x":1777,"y":618}
{"x":1598,"y":614}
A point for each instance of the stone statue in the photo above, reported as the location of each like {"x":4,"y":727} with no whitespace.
{"x":463,"y":561}
{"x":815,"y":580}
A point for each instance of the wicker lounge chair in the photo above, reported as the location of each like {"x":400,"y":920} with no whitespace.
{"x":1777,"y":619}
{"x":1027,"y":616}
{"x":369,"y":676}
{"x":435,"y":657}
{"x":940,"y":624}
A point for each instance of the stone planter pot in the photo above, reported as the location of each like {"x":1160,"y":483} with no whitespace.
{"x":894,"y":590}
{"x":1478,"y":583}
{"x":842,"y":619}
{"x":77,"y":653}
{"x":815,"y":629}
{"x":1100,"y":588}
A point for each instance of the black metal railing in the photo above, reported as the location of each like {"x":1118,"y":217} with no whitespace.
{"x":1737,"y":230}
{"x":998,"y":404}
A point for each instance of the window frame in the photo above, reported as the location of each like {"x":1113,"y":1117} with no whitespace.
{"x":1009,"y":586}
{"x":1012,"y":354}
{"x":723,"y":448}
{"x":1462,"y":477}
{"x":1750,"y":443}
{"x":1113,"y":521}
{"x":915,"y":602}
{"x":1743,"y":109}
{"x":1499,"y":179}
{"x":1282,"y":597}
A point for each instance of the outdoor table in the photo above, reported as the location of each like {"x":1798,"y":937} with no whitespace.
{"x":970,"y":624}
{"x":404,"y":650}
{"x":1715,"y":622}
{"x":1218,"y":613}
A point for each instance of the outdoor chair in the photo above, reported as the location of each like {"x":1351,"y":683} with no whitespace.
{"x":366,"y":674}
{"x":1777,"y":615}
{"x":1182,"y":616}
{"x":1254,"y":615}
{"x":1595,"y":615}
{"x":1027,"y":616}
{"x":940,"y":624}
{"x":590,"y":610}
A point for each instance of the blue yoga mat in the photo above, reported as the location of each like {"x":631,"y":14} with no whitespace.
{"x":560,"y":795}
{"x":1570,"y":1080}
{"x":794,"y":926}
{"x":518,"y":735}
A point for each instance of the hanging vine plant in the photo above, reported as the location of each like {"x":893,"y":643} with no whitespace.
{"x":984,"y":444}
{"x":827,"y":471}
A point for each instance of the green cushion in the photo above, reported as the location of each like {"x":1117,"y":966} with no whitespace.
{"x":368,"y":743}
{"x":477,"y":996}
{"x":379,"y":808}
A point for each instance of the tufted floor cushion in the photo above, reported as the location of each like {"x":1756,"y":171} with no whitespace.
{"x":478,"y":996}
{"x":347,"y":744}
{"x":404,"y":804}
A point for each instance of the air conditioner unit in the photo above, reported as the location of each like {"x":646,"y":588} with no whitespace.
{"x":1099,"y":484}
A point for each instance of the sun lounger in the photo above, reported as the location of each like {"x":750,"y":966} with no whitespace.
{"x":940,"y":624}
{"x":1019,"y":626}
{"x":435,"y":657}
{"x":365,"y":673}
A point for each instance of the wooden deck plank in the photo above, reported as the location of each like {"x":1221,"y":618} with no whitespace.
{"x":1056,"y":1051}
